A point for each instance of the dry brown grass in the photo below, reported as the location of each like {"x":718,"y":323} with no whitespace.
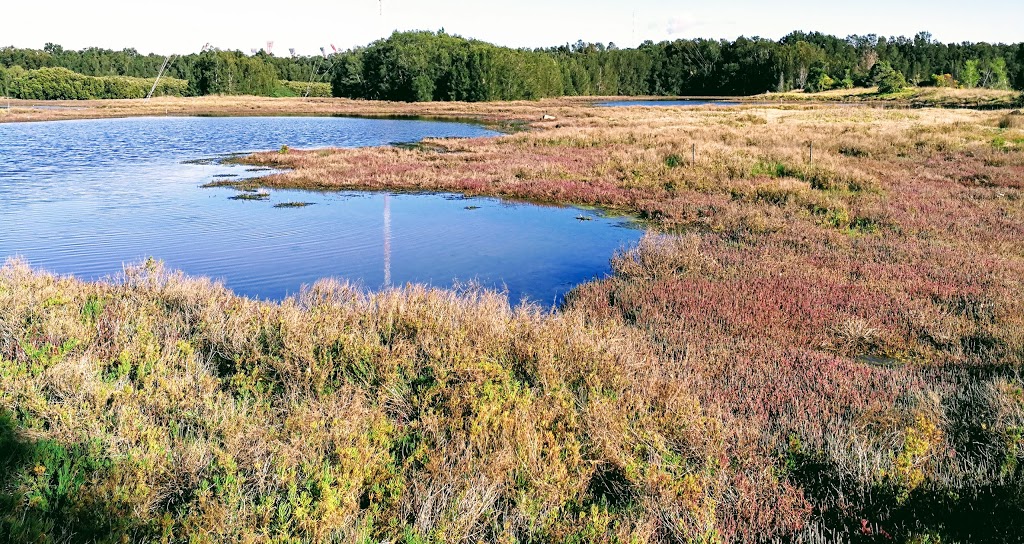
{"x":1014,"y":119}
{"x":807,"y":352}
{"x":21,"y":110}
{"x":912,"y":96}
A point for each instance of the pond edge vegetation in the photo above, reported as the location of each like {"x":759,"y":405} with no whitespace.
{"x":720,"y":386}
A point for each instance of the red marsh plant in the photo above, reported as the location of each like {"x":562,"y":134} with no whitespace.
{"x":799,"y":352}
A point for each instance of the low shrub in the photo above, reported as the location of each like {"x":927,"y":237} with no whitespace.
{"x":64,"y":84}
{"x":301,"y":88}
{"x":1014,"y":119}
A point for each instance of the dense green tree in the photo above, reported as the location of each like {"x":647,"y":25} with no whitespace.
{"x":819,"y":80}
{"x":439,"y":66}
{"x":970,"y":77}
{"x":888,"y":79}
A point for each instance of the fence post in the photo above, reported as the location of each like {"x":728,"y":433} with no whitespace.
{"x":693,"y":155}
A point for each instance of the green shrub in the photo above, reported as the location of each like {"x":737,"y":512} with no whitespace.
{"x":888,"y":79}
{"x":944,"y":81}
{"x":819,"y":80}
{"x":891,"y":81}
{"x":299,"y":88}
{"x":63,"y":84}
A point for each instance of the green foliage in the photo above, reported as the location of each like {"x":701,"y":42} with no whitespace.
{"x":424,"y":66}
{"x":944,"y":81}
{"x":417,"y":66}
{"x":888,"y":79}
{"x":970,"y":76}
{"x":63,"y":84}
{"x":994,"y":74}
{"x":773,"y":169}
{"x":819,"y":80}
{"x":231,"y":72}
{"x":990,"y":73}
{"x":5,"y":81}
{"x":303,"y":88}
{"x":43,"y":490}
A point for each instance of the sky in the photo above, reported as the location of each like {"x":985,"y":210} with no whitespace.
{"x":184,"y":26}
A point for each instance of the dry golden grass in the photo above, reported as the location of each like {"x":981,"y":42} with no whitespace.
{"x":21,"y":110}
{"x":809,"y":351}
{"x":912,"y":96}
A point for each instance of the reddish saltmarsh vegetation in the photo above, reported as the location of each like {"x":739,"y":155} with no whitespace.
{"x":807,"y":351}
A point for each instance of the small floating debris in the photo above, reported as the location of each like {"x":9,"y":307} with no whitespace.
{"x":211,"y":160}
{"x":472,"y":207}
{"x":225,"y":175}
{"x":582,"y":217}
{"x":246,"y":195}
{"x":293,"y":204}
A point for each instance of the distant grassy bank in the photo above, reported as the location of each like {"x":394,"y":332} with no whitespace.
{"x":497,"y":112}
{"x":910,"y":96}
{"x":293,"y":102}
{"x":803,"y":351}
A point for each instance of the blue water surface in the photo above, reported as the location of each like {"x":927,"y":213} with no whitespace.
{"x":88,"y":197}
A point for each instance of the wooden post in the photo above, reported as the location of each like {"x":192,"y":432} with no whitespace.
{"x":810,"y":154}
{"x":693,"y":155}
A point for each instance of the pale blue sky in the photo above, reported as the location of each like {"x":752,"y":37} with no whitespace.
{"x":185,"y":25}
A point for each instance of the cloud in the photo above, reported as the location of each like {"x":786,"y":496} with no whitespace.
{"x":681,"y":23}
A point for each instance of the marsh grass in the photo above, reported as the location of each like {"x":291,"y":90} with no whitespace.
{"x":1014,"y":119}
{"x":800,"y":352}
{"x":293,"y":204}
{"x":251,"y":195}
{"x":912,"y":96}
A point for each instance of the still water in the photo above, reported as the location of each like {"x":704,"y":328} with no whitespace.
{"x":87,"y":197}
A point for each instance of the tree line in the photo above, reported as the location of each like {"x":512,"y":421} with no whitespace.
{"x":423,"y":66}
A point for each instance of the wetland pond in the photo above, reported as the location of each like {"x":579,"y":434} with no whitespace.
{"x":87,"y":197}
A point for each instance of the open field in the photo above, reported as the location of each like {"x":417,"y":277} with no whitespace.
{"x":802,"y":351}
